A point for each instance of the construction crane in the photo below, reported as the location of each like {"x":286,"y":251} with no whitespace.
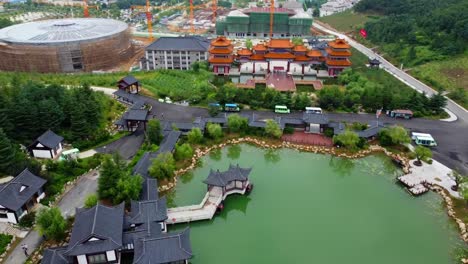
{"x":86,"y":8}
{"x":272,"y":13}
{"x":149,"y":17}
{"x":214,"y":8}
{"x":149,"y":20}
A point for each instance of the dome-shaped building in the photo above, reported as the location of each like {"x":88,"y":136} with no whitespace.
{"x":65,"y":45}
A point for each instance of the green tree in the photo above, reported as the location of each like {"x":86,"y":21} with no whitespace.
{"x":128,"y":188}
{"x":91,"y":200}
{"x":272,"y":129}
{"x":316,"y":12}
{"x":163,"y":167}
{"x":7,"y":153}
{"x":213,"y":110}
{"x":111,"y":171}
{"x":236,"y":123}
{"x":248,"y":44}
{"x":154,"y":132}
{"x":51,"y":224}
{"x":195,"y":136}
{"x":422,"y":154}
{"x":394,"y":135}
{"x":214,"y":131}
{"x":297,"y":41}
{"x":348,"y":139}
{"x":183,"y":152}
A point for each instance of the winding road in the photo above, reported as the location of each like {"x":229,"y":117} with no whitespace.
{"x":409,"y":80}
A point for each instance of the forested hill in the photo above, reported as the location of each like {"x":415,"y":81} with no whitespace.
{"x":437,"y":28}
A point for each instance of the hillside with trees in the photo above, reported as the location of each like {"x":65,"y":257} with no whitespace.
{"x":428,"y":36}
{"x":29,"y":109}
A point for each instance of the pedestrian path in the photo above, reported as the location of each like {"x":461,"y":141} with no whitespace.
{"x":203,"y":211}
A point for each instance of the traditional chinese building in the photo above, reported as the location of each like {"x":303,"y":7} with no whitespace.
{"x":221,"y":56}
{"x":234,"y":179}
{"x":338,"y":56}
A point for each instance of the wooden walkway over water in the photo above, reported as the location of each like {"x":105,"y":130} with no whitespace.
{"x":203,"y":211}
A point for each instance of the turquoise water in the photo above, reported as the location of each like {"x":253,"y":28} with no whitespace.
{"x":311,"y":208}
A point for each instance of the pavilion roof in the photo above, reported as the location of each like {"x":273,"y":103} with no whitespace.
{"x":257,"y":57}
{"x":339,"y":44}
{"x":338,"y":63}
{"x":274,"y":55}
{"x":314,"y":53}
{"x":259,"y":47}
{"x":302,"y":58}
{"x":215,"y":50}
{"x":234,"y":173}
{"x":244,"y":52}
{"x":343,"y":53}
{"x":221,"y":41}
{"x":280,"y":43}
{"x":300,"y":48}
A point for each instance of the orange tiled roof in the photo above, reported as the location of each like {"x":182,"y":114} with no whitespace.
{"x":274,"y":55}
{"x":338,"y":63}
{"x":314,"y":53}
{"x":221,"y":41}
{"x":244,"y":52}
{"x":302,"y":58}
{"x":343,"y":53}
{"x":215,"y":50}
{"x":221,"y":60}
{"x":300,"y":48}
{"x":260,"y":47}
{"x":280,"y":43}
{"x":339,"y":44}
{"x":257,"y":57}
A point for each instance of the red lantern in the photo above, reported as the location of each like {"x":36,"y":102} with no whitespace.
{"x":363,"y":33}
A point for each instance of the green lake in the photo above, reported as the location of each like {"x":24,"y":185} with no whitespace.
{"x":312,"y":208}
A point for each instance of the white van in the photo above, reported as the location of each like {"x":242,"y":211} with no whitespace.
{"x":423,"y":139}
{"x":313,"y":110}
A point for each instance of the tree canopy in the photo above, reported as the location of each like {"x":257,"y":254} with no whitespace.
{"x":394,"y":135}
{"x":183,"y":152}
{"x":418,"y":31}
{"x":272,"y":129}
{"x":236,"y":123}
{"x":195,"y":136}
{"x":423,"y":153}
{"x":29,"y":109}
{"x":51,"y":224}
{"x":348,"y":139}
{"x":163,"y":167}
{"x":214,"y":131}
{"x":154,"y":132}
{"x":116,"y":183}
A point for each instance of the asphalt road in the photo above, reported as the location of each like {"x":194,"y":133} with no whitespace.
{"x":452,"y":149}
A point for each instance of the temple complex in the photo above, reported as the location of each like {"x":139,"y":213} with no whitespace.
{"x":279,"y":57}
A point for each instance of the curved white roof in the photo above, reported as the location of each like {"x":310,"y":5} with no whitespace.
{"x":61,"y":30}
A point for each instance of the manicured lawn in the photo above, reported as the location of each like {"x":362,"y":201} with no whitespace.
{"x":4,"y":241}
{"x":346,"y":21}
{"x":173,"y":83}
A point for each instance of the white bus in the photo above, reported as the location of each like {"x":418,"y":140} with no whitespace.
{"x":313,"y":110}
{"x":423,"y":139}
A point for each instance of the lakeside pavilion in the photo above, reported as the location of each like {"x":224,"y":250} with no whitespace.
{"x":234,"y":179}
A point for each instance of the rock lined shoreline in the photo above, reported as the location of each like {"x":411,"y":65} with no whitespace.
{"x":404,"y":161}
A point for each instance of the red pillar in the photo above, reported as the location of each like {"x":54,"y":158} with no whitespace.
{"x":253,"y":67}
{"x":268,"y":66}
{"x":303,"y":69}
{"x":287,"y":69}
